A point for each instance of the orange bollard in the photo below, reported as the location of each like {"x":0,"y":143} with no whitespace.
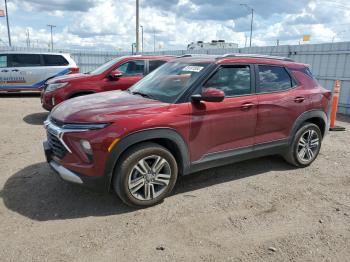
{"x":336,"y":93}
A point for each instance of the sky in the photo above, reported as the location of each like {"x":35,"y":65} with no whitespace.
{"x":110,"y":24}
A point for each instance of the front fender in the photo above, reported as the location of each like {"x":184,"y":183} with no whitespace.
{"x":144,"y":136}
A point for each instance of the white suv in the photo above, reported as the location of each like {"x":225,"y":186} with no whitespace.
{"x":28,"y":71}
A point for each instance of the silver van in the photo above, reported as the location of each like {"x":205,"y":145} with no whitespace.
{"x":28,"y":71}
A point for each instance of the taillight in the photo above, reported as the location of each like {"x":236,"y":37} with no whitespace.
{"x":328,"y":95}
{"x":74,"y":70}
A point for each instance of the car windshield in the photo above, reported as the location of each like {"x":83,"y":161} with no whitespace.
{"x":169,"y":81}
{"x":104,"y":67}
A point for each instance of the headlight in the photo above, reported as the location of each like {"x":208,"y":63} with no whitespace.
{"x":84,"y":127}
{"x":52,"y":87}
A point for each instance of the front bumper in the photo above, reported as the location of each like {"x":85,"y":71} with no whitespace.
{"x":100,"y":184}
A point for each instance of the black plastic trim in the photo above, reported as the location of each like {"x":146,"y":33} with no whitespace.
{"x":236,"y":155}
{"x":308,"y":115}
{"x":143,"y":136}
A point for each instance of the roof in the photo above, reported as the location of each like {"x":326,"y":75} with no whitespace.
{"x":238,"y":57}
{"x":32,"y":52}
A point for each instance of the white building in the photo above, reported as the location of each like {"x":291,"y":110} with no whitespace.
{"x":215,"y":44}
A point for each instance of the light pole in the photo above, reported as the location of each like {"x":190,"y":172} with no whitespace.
{"x":142,"y":36}
{"x":8,"y":25}
{"x":51,"y":26}
{"x":251,"y":22}
{"x":137,"y":26}
{"x":154,"y":40}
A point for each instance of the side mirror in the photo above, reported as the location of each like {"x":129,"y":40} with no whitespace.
{"x":210,"y":95}
{"x":114,"y":75}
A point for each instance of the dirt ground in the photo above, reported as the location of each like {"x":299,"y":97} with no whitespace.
{"x":258,"y":210}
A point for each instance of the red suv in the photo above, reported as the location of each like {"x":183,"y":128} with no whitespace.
{"x":117,"y":74}
{"x":191,"y":114}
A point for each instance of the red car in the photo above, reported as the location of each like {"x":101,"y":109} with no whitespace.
{"x":192,"y":114}
{"x":117,"y":74}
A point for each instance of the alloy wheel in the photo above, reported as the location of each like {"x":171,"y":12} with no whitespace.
{"x":308,"y":146}
{"x":149,"y":178}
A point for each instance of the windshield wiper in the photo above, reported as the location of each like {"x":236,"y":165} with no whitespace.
{"x":142,"y":94}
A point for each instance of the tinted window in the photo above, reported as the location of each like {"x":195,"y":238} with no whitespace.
{"x":55,"y":60}
{"x":154,"y":64}
{"x":132,"y":68}
{"x":233,"y":80}
{"x":23,"y":60}
{"x":273,"y":78}
{"x":3,"y":60}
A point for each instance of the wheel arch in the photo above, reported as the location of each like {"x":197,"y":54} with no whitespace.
{"x":166,"y":137}
{"x":317,"y":117}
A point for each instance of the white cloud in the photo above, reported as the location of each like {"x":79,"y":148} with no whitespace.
{"x":110,"y":24}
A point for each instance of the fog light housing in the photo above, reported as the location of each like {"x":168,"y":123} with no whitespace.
{"x":86,"y":147}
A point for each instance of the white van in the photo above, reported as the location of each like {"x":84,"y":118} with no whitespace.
{"x":28,"y":71}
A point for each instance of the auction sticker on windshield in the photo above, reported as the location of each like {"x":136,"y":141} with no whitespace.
{"x":195,"y":69}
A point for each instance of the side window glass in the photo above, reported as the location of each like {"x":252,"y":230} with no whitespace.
{"x":154,"y":64}
{"x":132,"y":68}
{"x":273,"y":78}
{"x":233,"y":80}
{"x":3,"y":61}
{"x":55,"y":60}
{"x":25,"y":60}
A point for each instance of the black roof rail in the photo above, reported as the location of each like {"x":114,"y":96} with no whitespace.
{"x":257,"y":56}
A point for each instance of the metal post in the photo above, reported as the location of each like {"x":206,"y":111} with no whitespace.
{"x":251,"y":22}
{"x":8,"y":25}
{"x":154,"y":40}
{"x":51,"y":26}
{"x":137,"y":26}
{"x":251,"y":28}
{"x":142,"y":37}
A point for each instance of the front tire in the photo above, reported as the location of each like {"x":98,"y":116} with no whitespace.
{"x":145,"y":175}
{"x":305,"y":146}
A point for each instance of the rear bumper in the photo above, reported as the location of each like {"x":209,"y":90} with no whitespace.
{"x":96,"y":183}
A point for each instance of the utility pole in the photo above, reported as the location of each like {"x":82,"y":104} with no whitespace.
{"x":8,"y":25}
{"x":51,"y":26}
{"x":251,"y":22}
{"x":28,"y":38}
{"x":137,"y":26}
{"x":154,"y":40}
{"x":142,"y":37}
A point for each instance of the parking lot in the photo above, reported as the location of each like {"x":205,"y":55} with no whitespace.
{"x":257,"y":210}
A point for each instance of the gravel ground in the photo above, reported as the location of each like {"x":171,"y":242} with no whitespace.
{"x":257,"y":210}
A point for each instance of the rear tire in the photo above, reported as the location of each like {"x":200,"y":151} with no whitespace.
{"x":305,"y":146}
{"x":145,"y":175}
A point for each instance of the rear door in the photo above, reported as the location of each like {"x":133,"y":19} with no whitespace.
{"x":154,"y":64}
{"x":24,"y":71}
{"x":133,"y":71}
{"x":228,"y":125}
{"x":54,"y":65}
{"x":281,"y":100}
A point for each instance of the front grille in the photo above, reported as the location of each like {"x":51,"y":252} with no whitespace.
{"x":56,"y":146}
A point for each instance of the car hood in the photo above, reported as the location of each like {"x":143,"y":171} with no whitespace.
{"x":105,"y":107}
{"x":70,"y":78}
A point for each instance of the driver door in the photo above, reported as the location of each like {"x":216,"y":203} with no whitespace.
{"x":222,"y":126}
{"x":133,"y":71}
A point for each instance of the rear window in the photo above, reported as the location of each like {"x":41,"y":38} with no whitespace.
{"x":25,"y":60}
{"x":3,"y":61}
{"x":273,"y":78}
{"x":154,"y":64}
{"x":54,"y":60}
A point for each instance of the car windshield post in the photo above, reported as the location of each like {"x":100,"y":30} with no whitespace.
{"x":169,"y":81}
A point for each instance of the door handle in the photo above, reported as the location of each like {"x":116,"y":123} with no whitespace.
{"x":299,"y":99}
{"x":247,"y":106}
